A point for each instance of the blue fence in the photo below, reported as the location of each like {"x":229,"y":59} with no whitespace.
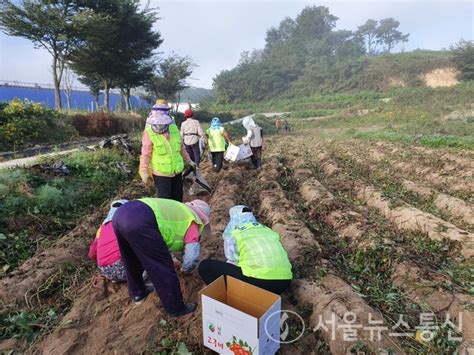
{"x":80,"y":100}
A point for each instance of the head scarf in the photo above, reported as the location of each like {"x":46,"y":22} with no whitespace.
{"x":249,"y":123}
{"x":202,"y":209}
{"x":159,"y":118}
{"x":114,"y":206}
{"x":216,"y":123}
{"x":240,"y":215}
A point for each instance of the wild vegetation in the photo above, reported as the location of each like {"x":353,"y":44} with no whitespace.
{"x":36,"y":207}
{"x":306,"y":56}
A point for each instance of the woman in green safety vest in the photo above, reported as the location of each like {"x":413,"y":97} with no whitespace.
{"x":216,"y":137}
{"x":148,"y":230}
{"x":163,"y":154}
{"x":254,"y":254}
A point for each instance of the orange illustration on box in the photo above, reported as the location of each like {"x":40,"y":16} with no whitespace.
{"x":239,"y":347}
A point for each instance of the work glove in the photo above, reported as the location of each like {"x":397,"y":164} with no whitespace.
{"x":176,"y":263}
{"x":192,"y":165}
{"x":145,"y":176}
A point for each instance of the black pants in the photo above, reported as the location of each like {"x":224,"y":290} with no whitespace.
{"x":169,"y":187}
{"x":256,"y":156}
{"x":142,"y":248}
{"x":210,"y":270}
{"x":217,"y":159}
{"x":194,"y":152}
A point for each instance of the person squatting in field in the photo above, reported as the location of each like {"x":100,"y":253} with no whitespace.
{"x":254,"y":137}
{"x":254,"y":254}
{"x":163,"y":153}
{"x":147,"y":230}
{"x":191,"y":132}
{"x":216,"y":137}
{"x":105,"y":249}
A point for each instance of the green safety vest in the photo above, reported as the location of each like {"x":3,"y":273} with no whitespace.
{"x":166,"y":156}
{"x":173,"y":219}
{"x":216,"y":139}
{"x":261,"y":254}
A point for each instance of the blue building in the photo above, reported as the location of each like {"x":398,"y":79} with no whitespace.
{"x":80,"y":100}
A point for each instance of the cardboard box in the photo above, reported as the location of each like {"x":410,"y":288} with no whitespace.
{"x":239,"y":318}
{"x":235,"y":153}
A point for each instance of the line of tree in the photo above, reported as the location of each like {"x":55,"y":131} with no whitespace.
{"x":306,"y":54}
{"x":108,"y":44}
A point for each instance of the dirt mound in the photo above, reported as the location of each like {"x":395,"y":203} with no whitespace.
{"x":441,"y":77}
{"x":421,"y":286}
{"x":333,"y":300}
{"x":412,"y":219}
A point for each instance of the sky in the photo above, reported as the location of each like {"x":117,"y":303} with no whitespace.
{"x":214,"y":33}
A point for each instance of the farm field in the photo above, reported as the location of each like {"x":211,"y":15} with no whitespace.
{"x":377,"y":229}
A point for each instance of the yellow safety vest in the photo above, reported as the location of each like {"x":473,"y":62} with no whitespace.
{"x":173,"y":219}
{"x":216,"y":139}
{"x":261,"y":254}
{"x":166,"y":156}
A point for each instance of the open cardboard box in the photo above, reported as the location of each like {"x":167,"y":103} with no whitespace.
{"x":239,"y":318}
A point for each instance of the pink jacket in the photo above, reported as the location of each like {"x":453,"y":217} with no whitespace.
{"x":105,"y":246}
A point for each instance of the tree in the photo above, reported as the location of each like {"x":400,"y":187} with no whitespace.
{"x":120,"y":55}
{"x":464,"y":59}
{"x":51,"y":24}
{"x":68,"y":83}
{"x":281,"y":34}
{"x":95,"y":85}
{"x":171,"y":78}
{"x":388,"y":35}
{"x":368,"y":32}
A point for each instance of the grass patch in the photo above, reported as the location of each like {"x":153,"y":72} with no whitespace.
{"x":37,"y":208}
{"x":432,"y":141}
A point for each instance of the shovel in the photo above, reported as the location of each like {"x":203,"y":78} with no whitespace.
{"x":196,"y":177}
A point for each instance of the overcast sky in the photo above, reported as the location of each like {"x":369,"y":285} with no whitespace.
{"x":214,"y":33}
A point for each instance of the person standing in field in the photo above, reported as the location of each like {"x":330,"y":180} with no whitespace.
{"x":277,"y":125}
{"x":191,"y":132}
{"x":254,"y":137}
{"x":216,"y":137}
{"x":163,"y":154}
{"x":148,"y":230}
{"x":254,"y":254}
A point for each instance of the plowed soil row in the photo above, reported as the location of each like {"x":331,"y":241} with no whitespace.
{"x":405,"y":217}
{"x":443,"y":157}
{"x":446,"y":176}
{"x":447,"y":207}
{"x":329,"y":295}
{"x":419,"y":285}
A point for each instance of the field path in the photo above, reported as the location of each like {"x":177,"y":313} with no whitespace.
{"x":22,"y":162}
